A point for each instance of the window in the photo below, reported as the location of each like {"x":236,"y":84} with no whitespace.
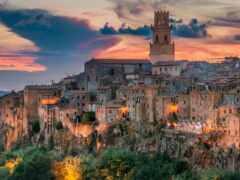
{"x":157,"y":38}
{"x":166,"y":38}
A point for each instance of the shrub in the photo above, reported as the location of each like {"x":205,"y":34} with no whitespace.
{"x":35,"y":166}
{"x":88,"y":117}
{"x":4,"y":173}
{"x":115,"y":164}
{"x":58,"y":125}
{"x":36,"y":127}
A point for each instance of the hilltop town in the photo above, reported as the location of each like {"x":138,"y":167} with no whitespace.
{"x":191,"y":110}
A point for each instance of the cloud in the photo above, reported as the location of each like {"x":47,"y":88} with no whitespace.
{"x":193,"y":29}
{"x":49,"y":32}
{"x":13,"y":53}
{"x":133,"y":9}
{"x":57,"y":45}
{"x":231,"y":19}
{"x":139,"y":31}
{"x":58,"y":38}
{"x":17,"y":63}
{"x":237,"y":37}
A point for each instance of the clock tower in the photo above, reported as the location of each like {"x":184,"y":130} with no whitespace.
{"x":161,"y":48}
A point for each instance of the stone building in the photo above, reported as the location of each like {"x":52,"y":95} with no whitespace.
{"x":117,"y":69}
{"x":111,"y":111}
{"x":33,"y":96}
{"x":48,"y":114}
{"x":232,"y":131}
{"x":12,"y":118}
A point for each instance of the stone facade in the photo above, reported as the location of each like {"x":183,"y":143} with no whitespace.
{"x":33,"y":96}
{"x":111,"y":111}
{"x":100,"y":71}
{"x":12,"y":118}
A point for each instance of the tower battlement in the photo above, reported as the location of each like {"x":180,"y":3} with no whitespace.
{"x":162,"y":13}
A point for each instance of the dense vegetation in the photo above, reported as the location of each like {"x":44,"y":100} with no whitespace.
{"x":112,"y":164}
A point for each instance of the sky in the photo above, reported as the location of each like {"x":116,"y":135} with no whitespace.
{"x":44,"y":41}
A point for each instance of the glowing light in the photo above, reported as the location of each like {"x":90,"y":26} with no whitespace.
{"x":172,"y":108}
{"x":208,"y":129}
{"x":12,"y":164}
{"x":68,"y":169}
{"x":50,"y":101}
{"x":78,"y":130}
{"x":124,"y":110}
{"x":102,"y":128}
{"x":84,"y":130}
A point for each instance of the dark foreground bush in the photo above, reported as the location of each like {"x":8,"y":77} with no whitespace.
{"x":35,"y":166}
{"x":114,"y":164}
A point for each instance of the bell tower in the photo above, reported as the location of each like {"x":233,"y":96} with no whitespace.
{"x":161,"y":48}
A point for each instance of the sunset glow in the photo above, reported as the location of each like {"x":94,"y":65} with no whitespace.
{"x":68,"y":33}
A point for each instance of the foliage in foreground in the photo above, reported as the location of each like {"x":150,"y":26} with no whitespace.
{"x":112,"y":164}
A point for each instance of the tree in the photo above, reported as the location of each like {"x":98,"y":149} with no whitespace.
{"x":88,"y":117}
{"x":4,"y":173}
{"x":36,"y":127}
{"x":58,"y":125}
{"x":161,"y":166}
{"x":116,"y":164}
{"x":219,"y":175}
{"x":35,"y":166}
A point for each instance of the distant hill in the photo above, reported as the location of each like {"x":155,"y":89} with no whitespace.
{"x":2,"y":93}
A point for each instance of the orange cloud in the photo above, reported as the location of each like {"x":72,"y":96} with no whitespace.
{"x":26,"y":64}
{"x":11,"y":56}
{"x":127,"y":47}
{"x":218,"y":45}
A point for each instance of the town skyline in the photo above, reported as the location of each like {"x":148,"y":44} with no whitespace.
{"x":154,"y":117}
{"x":31,"y":53}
